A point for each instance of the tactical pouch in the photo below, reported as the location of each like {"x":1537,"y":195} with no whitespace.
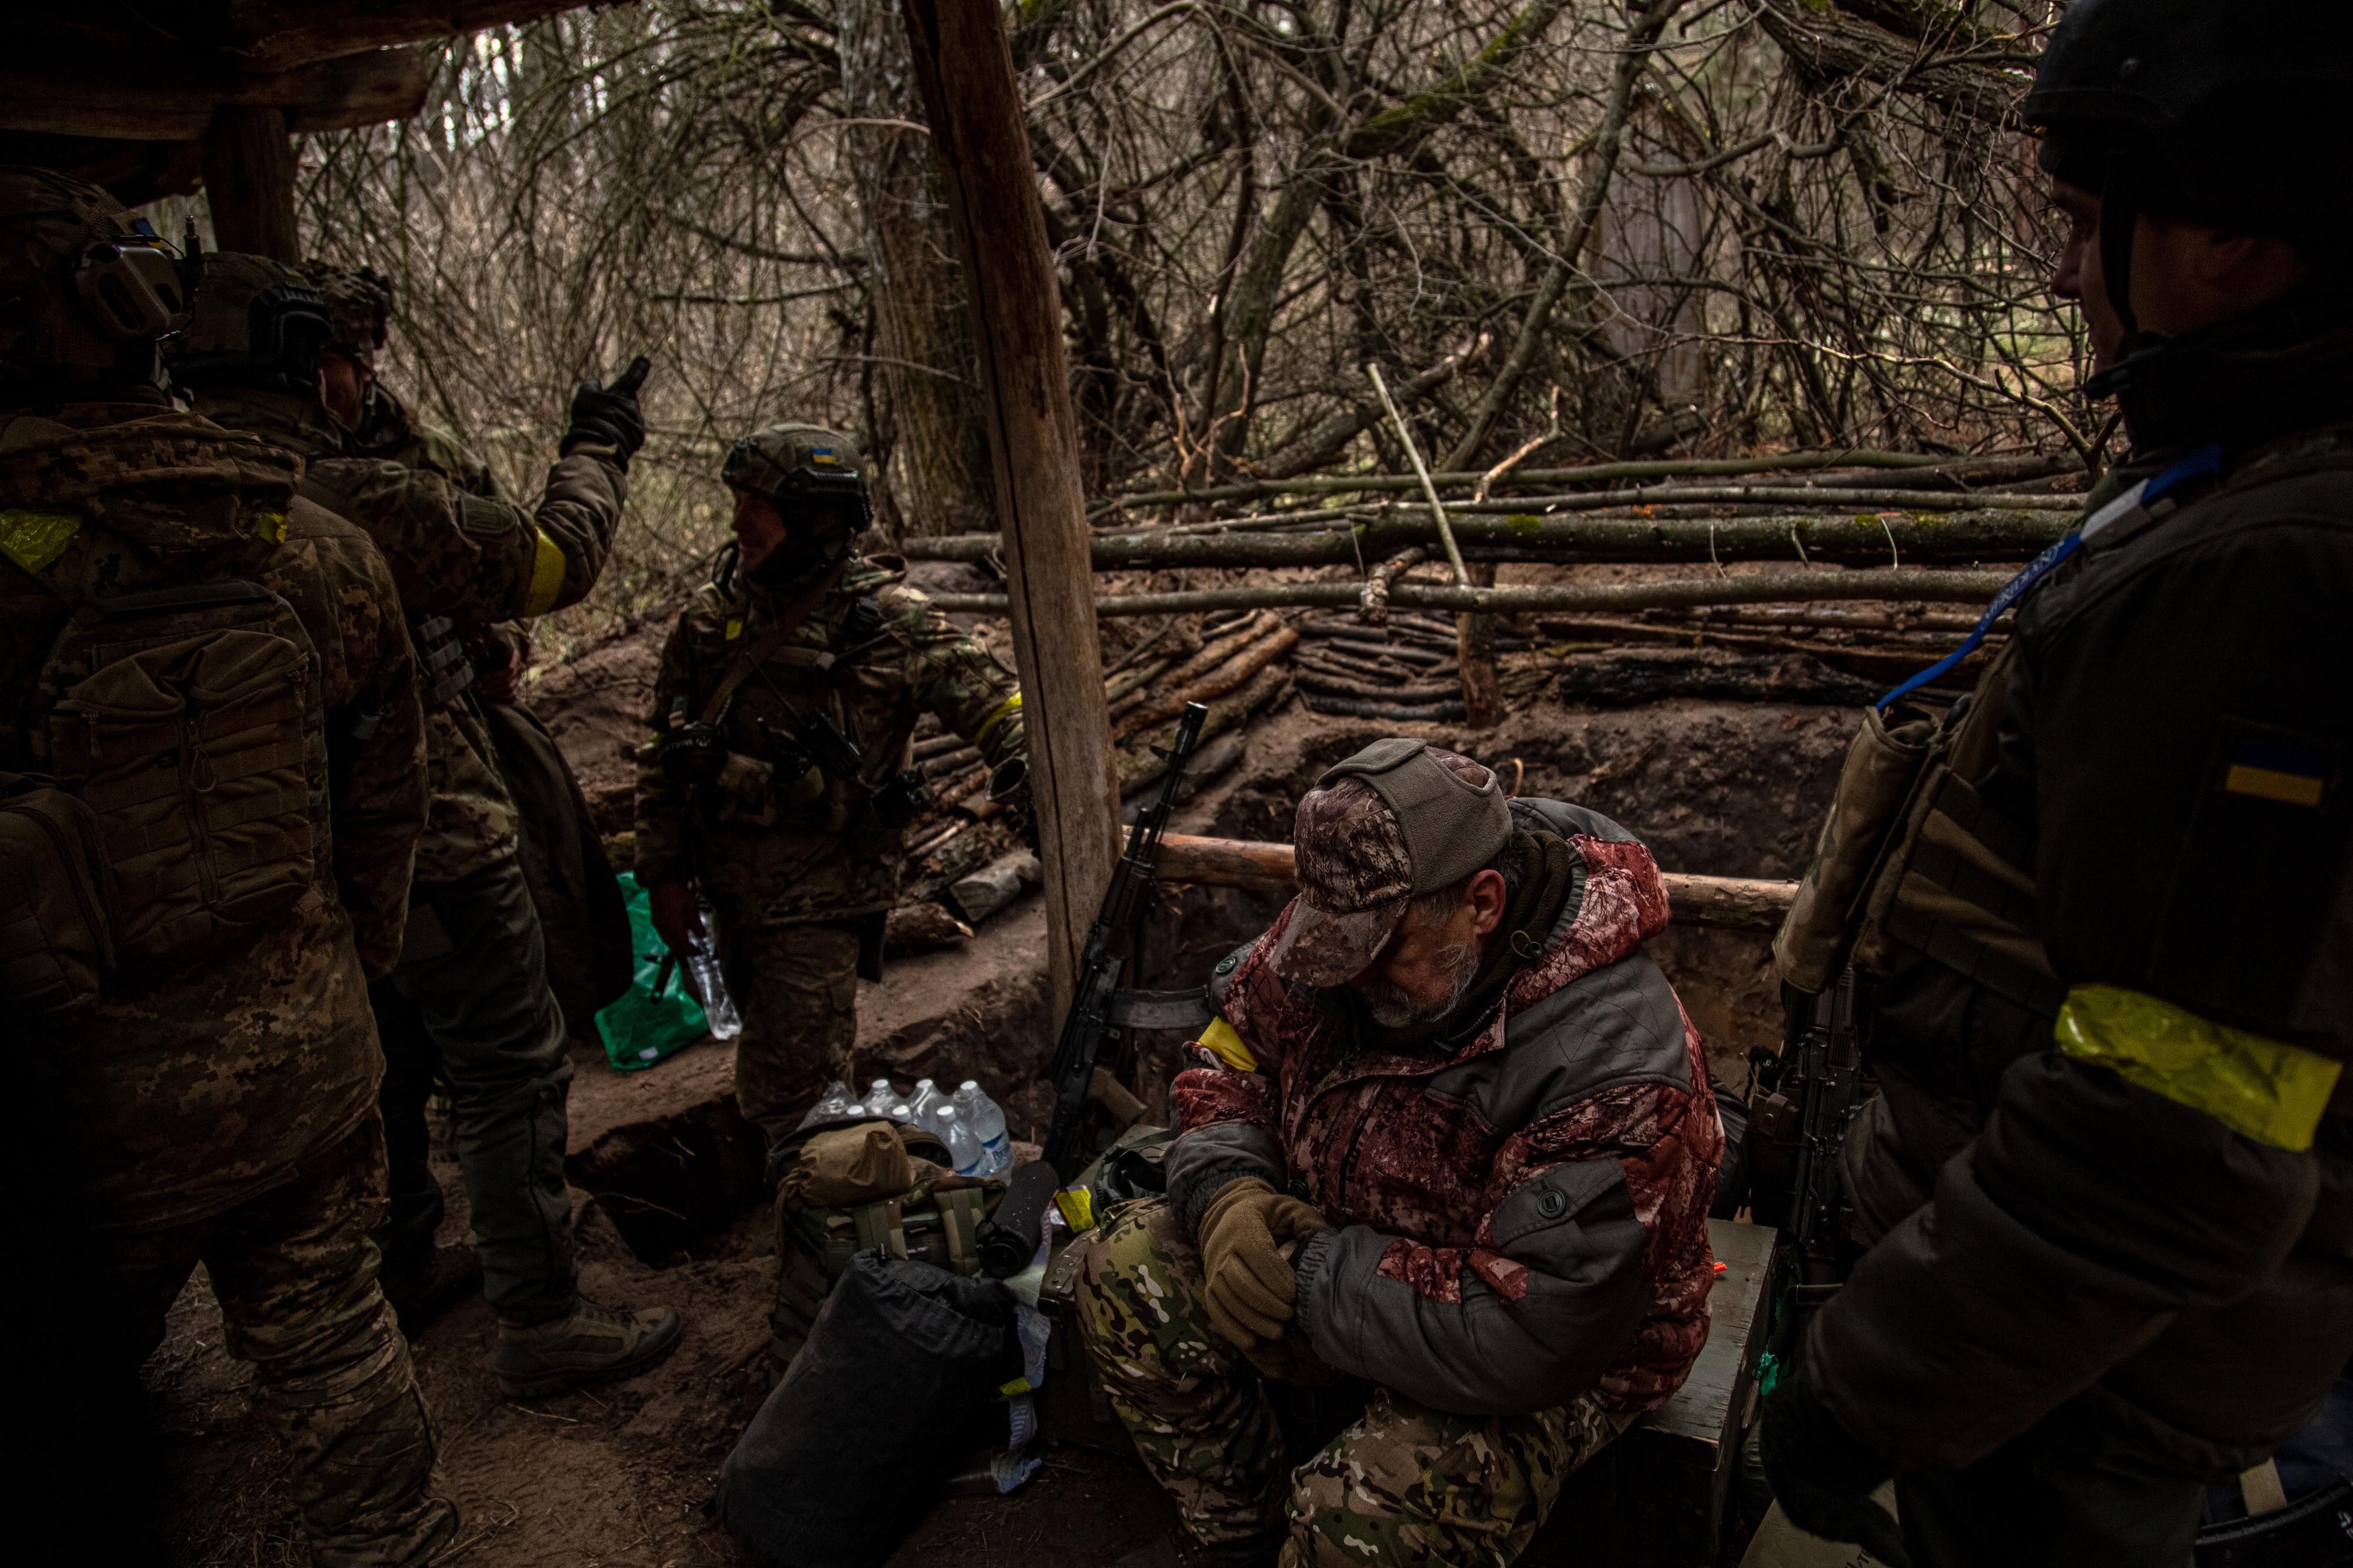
{"x":186,"y":721}
{"x":57,"y":898}
{"x":815,"y":1243}
{"x":1881,"y":763}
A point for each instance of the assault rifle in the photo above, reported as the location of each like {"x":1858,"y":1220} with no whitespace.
{"x":1827,"y":1071}
{"x":1100,"y":1011}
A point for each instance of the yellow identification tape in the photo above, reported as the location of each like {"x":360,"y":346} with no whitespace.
{"x":34,"y":538}
{"x":1221,"y":1041}
{"x":2270,"y":784}
{"x":998,"y":715}
{"x":547,"y":565}
{"x":2264,"y":1089}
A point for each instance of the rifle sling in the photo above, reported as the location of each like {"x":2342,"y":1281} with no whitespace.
{"x":772,"y":637}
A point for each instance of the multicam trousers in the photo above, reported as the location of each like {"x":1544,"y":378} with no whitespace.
{"x":795,"y":987}
{"x":296,"y":1277}
{"x":1404,"y":1484}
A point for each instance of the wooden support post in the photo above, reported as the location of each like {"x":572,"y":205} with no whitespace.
{"x":1474,"y":658}
{"x":248,"y":162}
{"x":965,"y":67}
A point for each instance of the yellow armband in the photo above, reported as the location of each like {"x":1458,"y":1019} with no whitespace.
{"x":1221,"y":1041}
{"x":2263,"y":1089}
{"x":997,"y":715}
{"x":546,"y":576}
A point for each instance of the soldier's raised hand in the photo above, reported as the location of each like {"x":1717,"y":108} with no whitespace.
{"x":610,"y":415}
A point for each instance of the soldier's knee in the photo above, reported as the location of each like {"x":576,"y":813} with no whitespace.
{"x":1127,"y":1290}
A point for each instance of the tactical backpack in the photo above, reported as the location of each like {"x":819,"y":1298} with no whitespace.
{"x":185,"y":726}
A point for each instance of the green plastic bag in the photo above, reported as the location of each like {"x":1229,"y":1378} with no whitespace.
{"x":647,"y":1025}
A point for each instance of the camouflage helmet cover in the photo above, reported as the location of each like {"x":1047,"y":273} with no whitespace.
{"x":359,"y":308}
{"x":80,"y":282}
{"x":259,"y":322}
{"x":789,"y":466}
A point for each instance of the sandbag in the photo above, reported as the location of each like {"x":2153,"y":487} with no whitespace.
{"x":897,"y":1379}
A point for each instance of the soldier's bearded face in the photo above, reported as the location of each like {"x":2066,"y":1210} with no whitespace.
{"x":1429,"y":963}
{"x":760,"y":531}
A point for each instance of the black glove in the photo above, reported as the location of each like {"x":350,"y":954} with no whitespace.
{"x":610,"y":415}
{"x":1822,"y":1477}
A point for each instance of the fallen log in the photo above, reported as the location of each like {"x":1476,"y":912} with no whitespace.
{"x":1139,"y":768}
{"x":1591,"y":473}
{"x":1852,"y":537}
{"x":1324,"y":684}
{"x":1220,"y":678}
{"x":1448,"y":711}
{"x":1741,"y":902}
{"x":1780,"y":587}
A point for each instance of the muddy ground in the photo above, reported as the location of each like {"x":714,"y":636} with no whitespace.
{"x":667,"y":1175}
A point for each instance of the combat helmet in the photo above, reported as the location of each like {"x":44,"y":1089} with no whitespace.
{"x":259,"y":323}
{"x":359,"y":308}
{"x":86,"y":290}
{"x":2228,"y":113}
{"x":799,"y":469}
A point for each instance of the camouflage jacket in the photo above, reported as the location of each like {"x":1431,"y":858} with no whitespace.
{"x":184,"y":1089}
{"x":460,"y":555}
{"x":767,"y":840}
{"x":392,"y":435}
{"x":1521,"y":1213}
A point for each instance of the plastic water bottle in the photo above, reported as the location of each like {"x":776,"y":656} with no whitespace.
{"x":926,"y":1103}
{"x":963,"y":1150}
{"x":881,"y":1097}
{"x":835,"y":1102}
{"x":901,"y":1115}
{"x":702,"y":974}
{"x":981,"y":1114}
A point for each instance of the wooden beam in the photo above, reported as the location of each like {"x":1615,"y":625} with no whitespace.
{"x":965,"y":68}
{"x":1744,"y":903}
{"x":249,"y":171}
{"x":280,"y":35}
{"x":1850,"y":538}
{"x":1905,"y":587}
{"x":149,"y":97}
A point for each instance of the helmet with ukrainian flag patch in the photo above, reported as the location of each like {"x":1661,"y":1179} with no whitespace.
{"x":815,"y":477}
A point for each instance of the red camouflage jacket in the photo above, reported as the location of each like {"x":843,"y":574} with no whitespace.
{"x":1520,"y":1216}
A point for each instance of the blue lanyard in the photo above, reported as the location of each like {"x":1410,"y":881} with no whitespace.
{"x":2125,"y":515}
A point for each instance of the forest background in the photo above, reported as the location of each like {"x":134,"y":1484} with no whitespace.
{"x":1565,"y":230}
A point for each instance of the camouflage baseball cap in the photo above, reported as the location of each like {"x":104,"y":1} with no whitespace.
{"x":1398,"y":819}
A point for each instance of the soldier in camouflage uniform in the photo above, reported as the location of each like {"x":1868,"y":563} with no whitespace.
{"x":777,"y":780}
{"x":1452,"y":1137}
{"x":584,"y":923}
{"x":471,"y":979}
{"x":213,"y":1104}
{"x":359,"y":312}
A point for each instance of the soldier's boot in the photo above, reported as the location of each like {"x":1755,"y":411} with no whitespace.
{"x":429,"y":1283}
{"x":594,"y":1344}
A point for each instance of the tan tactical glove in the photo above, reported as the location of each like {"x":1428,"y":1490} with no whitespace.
{"x":1248,"y":1289}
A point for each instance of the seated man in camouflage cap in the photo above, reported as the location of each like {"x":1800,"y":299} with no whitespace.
{"x":1451,"y":1135}
{"x":777,"y":780}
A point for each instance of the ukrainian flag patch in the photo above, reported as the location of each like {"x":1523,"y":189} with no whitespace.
{"x":2271,"y":770}
{"x":825,"y":455}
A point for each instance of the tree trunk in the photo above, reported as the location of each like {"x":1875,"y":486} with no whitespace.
{"x":922,"y":310}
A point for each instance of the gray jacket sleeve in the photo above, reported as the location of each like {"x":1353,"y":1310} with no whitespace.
{"x":1200,"y":1163}
{"x":1571,"y":1227}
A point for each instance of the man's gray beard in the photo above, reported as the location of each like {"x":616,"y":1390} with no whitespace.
{"x":1387,"y":1005}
